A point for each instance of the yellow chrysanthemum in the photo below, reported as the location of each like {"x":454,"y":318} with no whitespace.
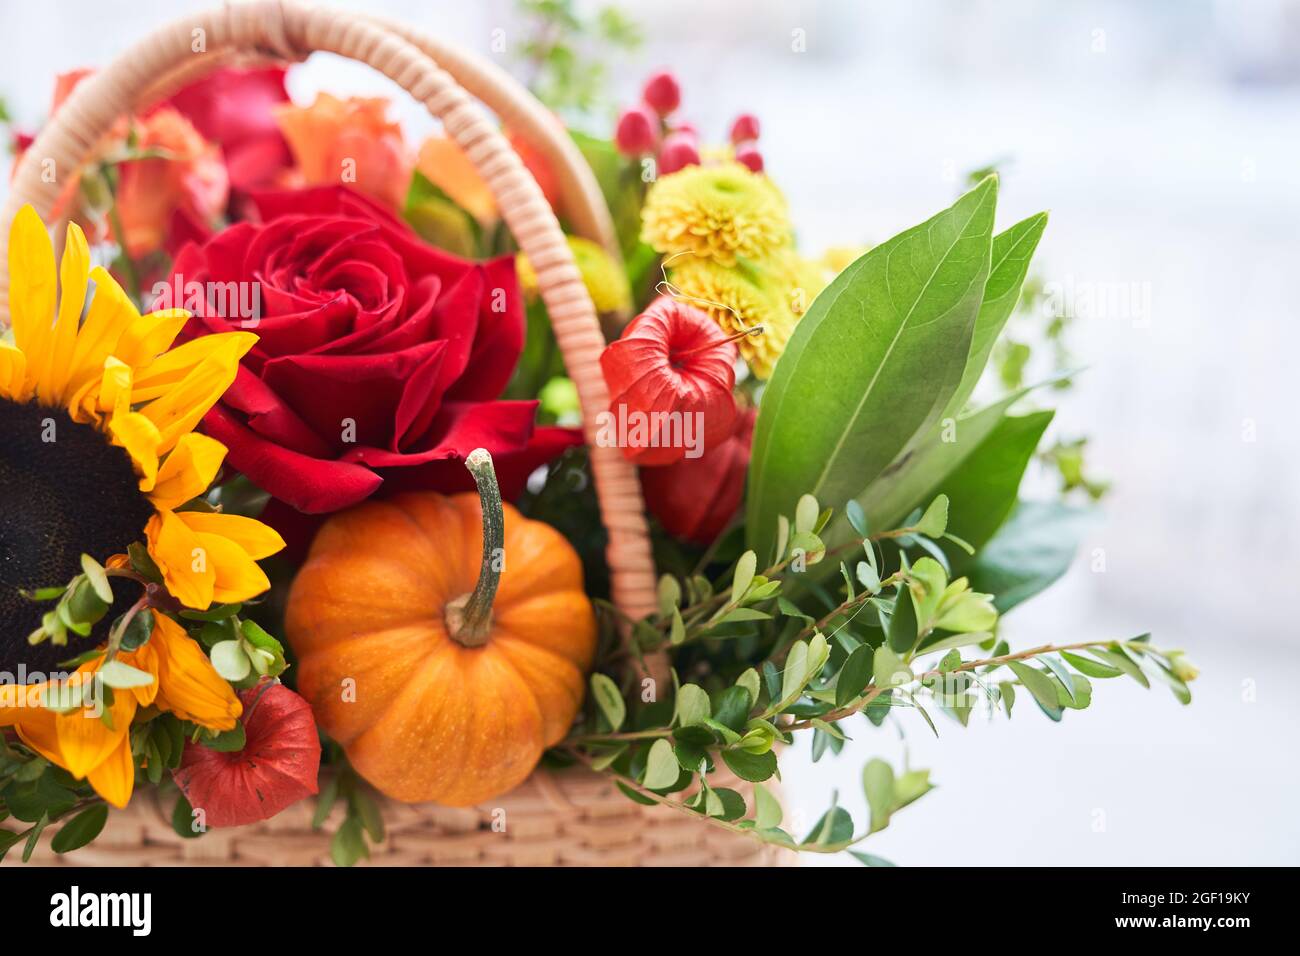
{"x":739,"y":299}
{"x":838,"y":258}
{"x":715,"y":212}
{"x":604,"y":278}
{"x":97,"y":448}
{"x":800,"y":279}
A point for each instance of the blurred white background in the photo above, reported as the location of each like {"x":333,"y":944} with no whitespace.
{"x":1163,"y":137}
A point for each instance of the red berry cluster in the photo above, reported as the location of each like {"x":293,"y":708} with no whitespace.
{"x":650,"y":129}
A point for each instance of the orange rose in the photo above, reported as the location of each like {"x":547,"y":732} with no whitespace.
{"x":348,"y":141}
{"x":443,"y":163}
{"x":191,"y":178}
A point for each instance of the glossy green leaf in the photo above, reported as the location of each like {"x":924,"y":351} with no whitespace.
{"x":1039,"y":685}
{"x":1030,"y":551}
{"x":871,"y":365}
{"x":854,"y":675}
{"x":1012,"y":250}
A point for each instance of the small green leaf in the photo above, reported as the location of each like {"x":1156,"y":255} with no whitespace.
{"x":795,"y":674}
{"x":123,"y":676}
{"x":749,"y":680}
{"x":889,"y":669}
{"x":1040,"y":686}
{"x":806,"y":511}
{"x":740,"y":581}
{"x":329,"y":792}
{"x":138,"y":631}
{"x":857,"y":517}
{"x":1091,"y":668}
{"x":767,"y":809}
{"x":81,"y":829}
{"x":903,"y":623}
{"x":230,"y":661}
{"x":1116,"y":658}
{"x":833,"y":829}
{"x":748,"y":766}
{"x":878,"y":784}
{"x":98,"y":579}
{"x":662,"y":768}
{"x":227,"y":741}
{"x":609,"y":700}
{"x":692,"y":705}
{"x":935,"y":520}
{"x":854,"y":675}
{"x":349,"y":843}
{"x":670,"y":595}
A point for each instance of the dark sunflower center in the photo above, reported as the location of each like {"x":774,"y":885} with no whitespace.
{"x":64,"y":490}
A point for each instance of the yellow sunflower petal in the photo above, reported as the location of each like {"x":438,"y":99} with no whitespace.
{"x":72,"y":299}
{"x":182,"y":560}
{"x":140,"y":438}
{"x":144,"y":658}
{"x":13,"y":373}
{"x":181,"y":408}
{"x":190,"y":686}
{"x":32,"y":290}
{"x":86,"y":740}
{"x":171,"y":368}
{"x":238,"y":576}
{"x":114,"y":387}
{"x":114,"y":779}
{"x":35,"y":726}
{"x":149,"y":336}
{"x":187,"y":471}
{"x":110,"y":314}
{"x":257,"y":539}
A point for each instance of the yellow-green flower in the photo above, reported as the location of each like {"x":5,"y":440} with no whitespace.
{"x":604,"y":278}
{"x":715,"y":212}
{"x":739,"y":299}
{"x":801,"y":279}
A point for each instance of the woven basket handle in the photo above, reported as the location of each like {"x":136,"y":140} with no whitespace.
{"x":291,"y":30}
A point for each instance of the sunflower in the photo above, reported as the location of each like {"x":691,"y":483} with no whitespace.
{"x":739,"y":299}
{"x":97,"y":447}
{"x":716,"y":212}
{"x":92,"y":739}
{"x":604,"y":278}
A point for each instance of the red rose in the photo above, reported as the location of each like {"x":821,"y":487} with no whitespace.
{"x":378,"y":356}
{"x":234,"y":108}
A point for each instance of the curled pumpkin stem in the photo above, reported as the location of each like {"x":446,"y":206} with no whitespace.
{"x":469,"y":617}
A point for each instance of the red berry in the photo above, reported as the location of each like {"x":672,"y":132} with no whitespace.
{"x":744,"y":129}
{"x":661,"y":93}
{"x":637,"y":132}
{"x":678,"y":151}
{"x":747,"y":154}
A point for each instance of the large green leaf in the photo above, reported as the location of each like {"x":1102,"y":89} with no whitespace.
{"x":1012,"y":251}
{"x":871,"y":365}
{"x":1034,"y":548}
{"x":912,"y":480}
{"x":982,"y":492}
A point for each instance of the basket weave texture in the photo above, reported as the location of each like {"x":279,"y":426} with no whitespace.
{"x":570,"y":817}
{"x":562,"y":818}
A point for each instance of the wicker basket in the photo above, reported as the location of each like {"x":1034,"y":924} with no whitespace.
{"x":572,"y":817}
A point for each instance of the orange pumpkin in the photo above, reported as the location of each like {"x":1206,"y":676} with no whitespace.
{"x":443,"y":670}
